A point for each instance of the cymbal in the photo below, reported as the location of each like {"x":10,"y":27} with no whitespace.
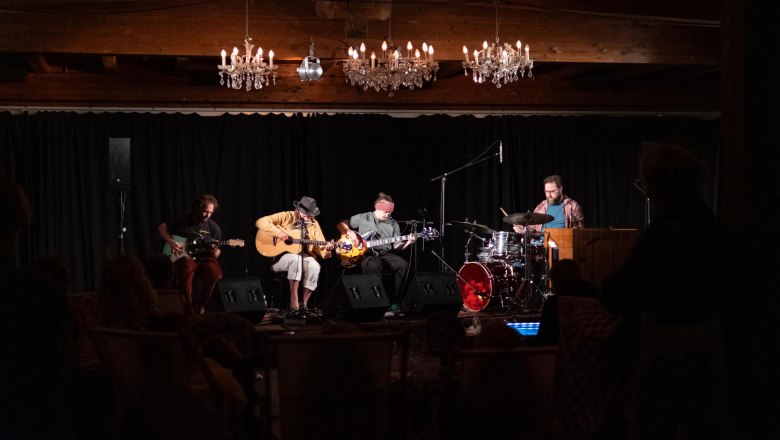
{"x":481,"y":229}
{"x":528,"y":218}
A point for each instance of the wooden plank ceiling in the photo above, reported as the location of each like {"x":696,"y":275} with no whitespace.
{"x":589,"y":56}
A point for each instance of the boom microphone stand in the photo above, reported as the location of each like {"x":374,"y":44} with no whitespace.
{"x":443,"y":179}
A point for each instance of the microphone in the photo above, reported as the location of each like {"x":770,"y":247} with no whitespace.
{"x":500,"y":151}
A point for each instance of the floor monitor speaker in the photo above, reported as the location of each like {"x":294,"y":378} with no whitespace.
{"x":357,"y":298}
{"x":242,"y":296}
{"x":432,"y":291}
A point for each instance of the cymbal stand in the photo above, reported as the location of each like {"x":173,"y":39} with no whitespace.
{"x":466,"y":252}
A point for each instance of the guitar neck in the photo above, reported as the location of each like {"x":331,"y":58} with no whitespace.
{"x":381,"y":241}
{"x":309,"y":242}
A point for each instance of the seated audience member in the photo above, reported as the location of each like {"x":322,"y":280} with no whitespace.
{"x":34,"y":327}
{"x":566,"y":279}
{"x":681,"y":272}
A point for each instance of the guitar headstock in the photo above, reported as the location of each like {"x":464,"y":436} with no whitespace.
{"x":429,"y":233}
{"x":235,"y":242}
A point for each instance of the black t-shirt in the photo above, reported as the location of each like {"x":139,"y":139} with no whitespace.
{"x":185,"y":226}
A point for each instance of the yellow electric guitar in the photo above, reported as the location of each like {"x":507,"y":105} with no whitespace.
{"x":350,"y":255}
{"x":196,"y":247}
{"x":270,"y":246}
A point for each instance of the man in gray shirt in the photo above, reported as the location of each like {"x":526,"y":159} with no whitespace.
{"x":381,"y":256}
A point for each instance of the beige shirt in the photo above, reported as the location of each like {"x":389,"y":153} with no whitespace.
{"x":288,"y":220}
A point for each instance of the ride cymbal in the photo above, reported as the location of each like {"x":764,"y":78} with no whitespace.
{"x":528,"y":218}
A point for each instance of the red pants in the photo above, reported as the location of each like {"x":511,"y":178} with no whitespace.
{"x":197,"y":280}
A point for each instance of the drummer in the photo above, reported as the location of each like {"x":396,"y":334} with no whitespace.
{"x":565,"y":212}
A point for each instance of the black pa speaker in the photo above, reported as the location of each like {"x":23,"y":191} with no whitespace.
{"x":357,"y":298}
{"x":432,"y":291}
{"x":119,"y":163}
{"x":242,"y":296}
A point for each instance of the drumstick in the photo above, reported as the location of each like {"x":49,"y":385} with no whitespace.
{"x":502,"y":210}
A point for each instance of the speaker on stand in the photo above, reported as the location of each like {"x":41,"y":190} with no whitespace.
{"x":119,"y":178}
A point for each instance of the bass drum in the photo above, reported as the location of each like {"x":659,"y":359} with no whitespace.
{"x":481,"y":284}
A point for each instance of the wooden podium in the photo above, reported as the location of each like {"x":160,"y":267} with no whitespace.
{"x":598,"y":251}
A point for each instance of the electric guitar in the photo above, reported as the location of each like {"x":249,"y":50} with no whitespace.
{"x":196,"y":247}
{"x":350,"y":255}
{"x":270,"y":246}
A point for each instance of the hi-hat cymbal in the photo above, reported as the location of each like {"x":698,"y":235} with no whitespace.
{"x":476,"y":227}
{"x":528,"y":218}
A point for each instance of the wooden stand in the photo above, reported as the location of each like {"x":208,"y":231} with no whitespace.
{"x":598,"y":251}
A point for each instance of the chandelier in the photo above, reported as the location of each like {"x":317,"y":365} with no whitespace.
{"x":247,"y":71}
{"x":501,"y":61}
{"x":391,"y":69}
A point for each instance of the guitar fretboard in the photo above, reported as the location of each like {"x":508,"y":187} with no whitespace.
{"x":381,"y":241}
{"x":308,"y":241}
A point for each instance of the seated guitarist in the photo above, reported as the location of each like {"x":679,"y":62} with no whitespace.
{"x":281,"y":225}
{"x":382,"y":225}
{"x":203,"y":272}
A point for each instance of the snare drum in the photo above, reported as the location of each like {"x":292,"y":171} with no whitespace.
{"x":481,"y":284}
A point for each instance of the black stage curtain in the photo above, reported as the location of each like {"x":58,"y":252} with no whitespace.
{"x":259,"y":164}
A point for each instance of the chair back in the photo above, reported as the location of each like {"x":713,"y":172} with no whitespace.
{"x":495,"y":393}
{"x":165,"y":377}
{"x":342,"y":385}
{"x":172,"y":300}
{"x":684,"y":364}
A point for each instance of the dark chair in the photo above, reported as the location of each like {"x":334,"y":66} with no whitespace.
{"x":496,"y":393}
{"x":172,"y":300}
{"x":680,"y":377}
{"x":164,"y":377}
{"x":338,"y":386}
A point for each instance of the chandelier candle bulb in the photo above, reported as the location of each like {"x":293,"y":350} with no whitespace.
{"x":417,"y":53}
{"x":409,"y":49}
{"x":466,"y":52}
{"x":373,"y":60}
{"x":430,"y":53}
{"x":527,"y":52}
{"x":224,"y":54}
{"x":519,"y":45}
{"x":425,"y":49}
{"x":363,"y":50}
{"x":271,"y":58}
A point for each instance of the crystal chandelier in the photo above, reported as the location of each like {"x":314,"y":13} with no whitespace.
{"x":247,"y":70}
{"x":391,"y":69}
{"x":501,"y":61}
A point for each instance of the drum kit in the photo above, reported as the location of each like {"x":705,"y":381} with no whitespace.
{"x":511,"y":270}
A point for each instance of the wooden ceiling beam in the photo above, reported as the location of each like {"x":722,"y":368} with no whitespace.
{"x":459,"y":92}
{"x":203,"y":29}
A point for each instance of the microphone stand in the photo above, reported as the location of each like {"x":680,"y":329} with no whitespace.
{"x":647,"y":202}
{"x":443,"y":179}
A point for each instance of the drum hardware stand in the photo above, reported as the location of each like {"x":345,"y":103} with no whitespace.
{"x":528,"y":294}
{"x":466,"y":252}
{"x":638,"y":185}
{"x":465,"y":281}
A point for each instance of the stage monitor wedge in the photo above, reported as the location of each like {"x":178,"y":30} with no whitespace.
{"x":241,"y":296}
{"x":357,"y":298}
{"x":430,"y":292}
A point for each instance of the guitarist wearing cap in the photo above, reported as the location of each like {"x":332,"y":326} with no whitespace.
{"x":203,"y":272}
{"x":382,"y":225}
{"x":297,"y":236}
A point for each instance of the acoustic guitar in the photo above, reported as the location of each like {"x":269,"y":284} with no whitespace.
{"x":270,"y":246}
{"x":350,"y":255}
{"x":197,"y":247}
